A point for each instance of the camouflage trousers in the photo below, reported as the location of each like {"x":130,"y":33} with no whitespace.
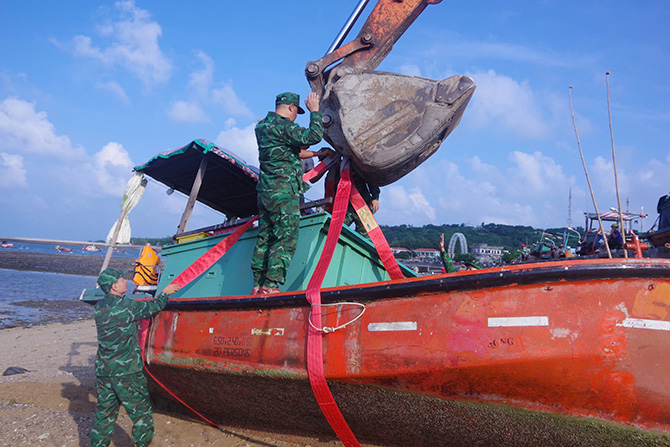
{"x":278,"y":224}
{"x":352,"y":217}
{"x":131,"y":392}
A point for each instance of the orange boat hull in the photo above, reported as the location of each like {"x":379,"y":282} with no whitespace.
{"x":534,"y":354}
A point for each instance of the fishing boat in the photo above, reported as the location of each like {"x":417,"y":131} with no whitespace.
{"x":660,"y":238}
{"x":60,"y":248}
{"x":548,"y":353}
{"x":91,"y":248}
{"x":6,"y":244}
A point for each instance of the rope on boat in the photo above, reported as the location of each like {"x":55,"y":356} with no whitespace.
{"x":328,"y":329}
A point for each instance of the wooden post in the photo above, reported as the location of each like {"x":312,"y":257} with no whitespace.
{"x":115,"y":235}
{"x":195,"y":189}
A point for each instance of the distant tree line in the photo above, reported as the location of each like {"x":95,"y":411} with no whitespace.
{"x":152,"y":240}
{"x":510,"y":237}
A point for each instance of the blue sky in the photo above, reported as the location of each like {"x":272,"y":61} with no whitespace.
{"x":90,"y":89}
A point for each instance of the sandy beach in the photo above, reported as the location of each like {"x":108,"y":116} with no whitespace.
{"x":53,"y":403}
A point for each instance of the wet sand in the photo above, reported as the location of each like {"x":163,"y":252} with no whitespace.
{"x":53,"y":403}
{"x":69,"y":263}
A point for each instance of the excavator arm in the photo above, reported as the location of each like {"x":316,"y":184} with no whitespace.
{"x":386,"y":123}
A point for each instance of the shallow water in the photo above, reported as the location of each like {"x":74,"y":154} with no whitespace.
{"x":40,"y":297}
{"x":31,"y":247}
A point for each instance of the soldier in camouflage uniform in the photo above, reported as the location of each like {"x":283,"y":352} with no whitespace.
{"x":118,"y":363}
{"x":449,"y":266}
{"x":281,"y":145}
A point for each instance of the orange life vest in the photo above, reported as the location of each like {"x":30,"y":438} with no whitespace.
{"x":146,"y":267}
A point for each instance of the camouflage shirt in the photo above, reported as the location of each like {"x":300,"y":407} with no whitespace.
{"x":118,"y":347}
{"x":279,"y":142}
{"x":449,"y":266}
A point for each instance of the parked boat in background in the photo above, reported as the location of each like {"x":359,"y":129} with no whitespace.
{"x":91,"y":248}
{"x":659,"y":236}
{"x":59,"y":248}
{"x":6,"y":244}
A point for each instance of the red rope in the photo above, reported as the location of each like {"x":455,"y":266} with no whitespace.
{"x":197,"y":268}
{"x":144,"y":361}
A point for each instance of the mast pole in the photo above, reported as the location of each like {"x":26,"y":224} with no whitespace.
{"x":588,"y":180}
{"x":616,"y":178}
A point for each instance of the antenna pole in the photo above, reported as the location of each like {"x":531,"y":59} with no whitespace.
{"x":588,"y":180}
{"x":616,"y":178}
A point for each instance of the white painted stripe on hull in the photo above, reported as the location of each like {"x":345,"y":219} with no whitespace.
{"x":393,"y":326}
{"x":639,"y":323}
{"x":518,"y":321}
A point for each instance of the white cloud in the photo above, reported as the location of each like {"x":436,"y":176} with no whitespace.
{"x":206,"y":92}
{"x":533,"y":174}
{"x":201,"y":81}
{"x":240,"y":141}
{"x":116,"y":89}
{"x":105,"y":174}
{"x":12,"y":172}
{"x":186,"y":112}
{"x":397,"y":206}
{"x":25,"y":131}
{"x":480,"y":167}
{"x":502,"y":102}
{"x":112,"y":167}
{"x":227,"y":99}
{"x":459,"y":49}
{"x":134,"y":45}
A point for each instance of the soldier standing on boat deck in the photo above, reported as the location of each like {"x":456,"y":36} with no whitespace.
{"x":281,"y":145}
{"x":118,"y":363}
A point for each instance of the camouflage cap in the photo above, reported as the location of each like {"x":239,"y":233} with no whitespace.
{"x":108,"y":277}
{"x":290,"y":98}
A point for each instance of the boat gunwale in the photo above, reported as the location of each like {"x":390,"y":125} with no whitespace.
{"x":517,"y":275}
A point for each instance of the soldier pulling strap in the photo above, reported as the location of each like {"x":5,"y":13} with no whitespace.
{"x":193,"y":271}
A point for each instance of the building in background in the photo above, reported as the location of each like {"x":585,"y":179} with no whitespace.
{"x":487,"y":254}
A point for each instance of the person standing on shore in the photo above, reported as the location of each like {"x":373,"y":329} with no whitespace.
{"x":281,"y":144}
{"x":448,"y":263}
{"x":118,"y":363}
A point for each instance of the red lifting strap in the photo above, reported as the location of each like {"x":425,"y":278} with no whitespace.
{"x":376,"y":234}
{"x":211,"y":256}
{"x":315,"y":370}
{"x":315,"y":172}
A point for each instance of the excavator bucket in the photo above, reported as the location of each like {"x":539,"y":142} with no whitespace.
{"x":389,"y":123}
